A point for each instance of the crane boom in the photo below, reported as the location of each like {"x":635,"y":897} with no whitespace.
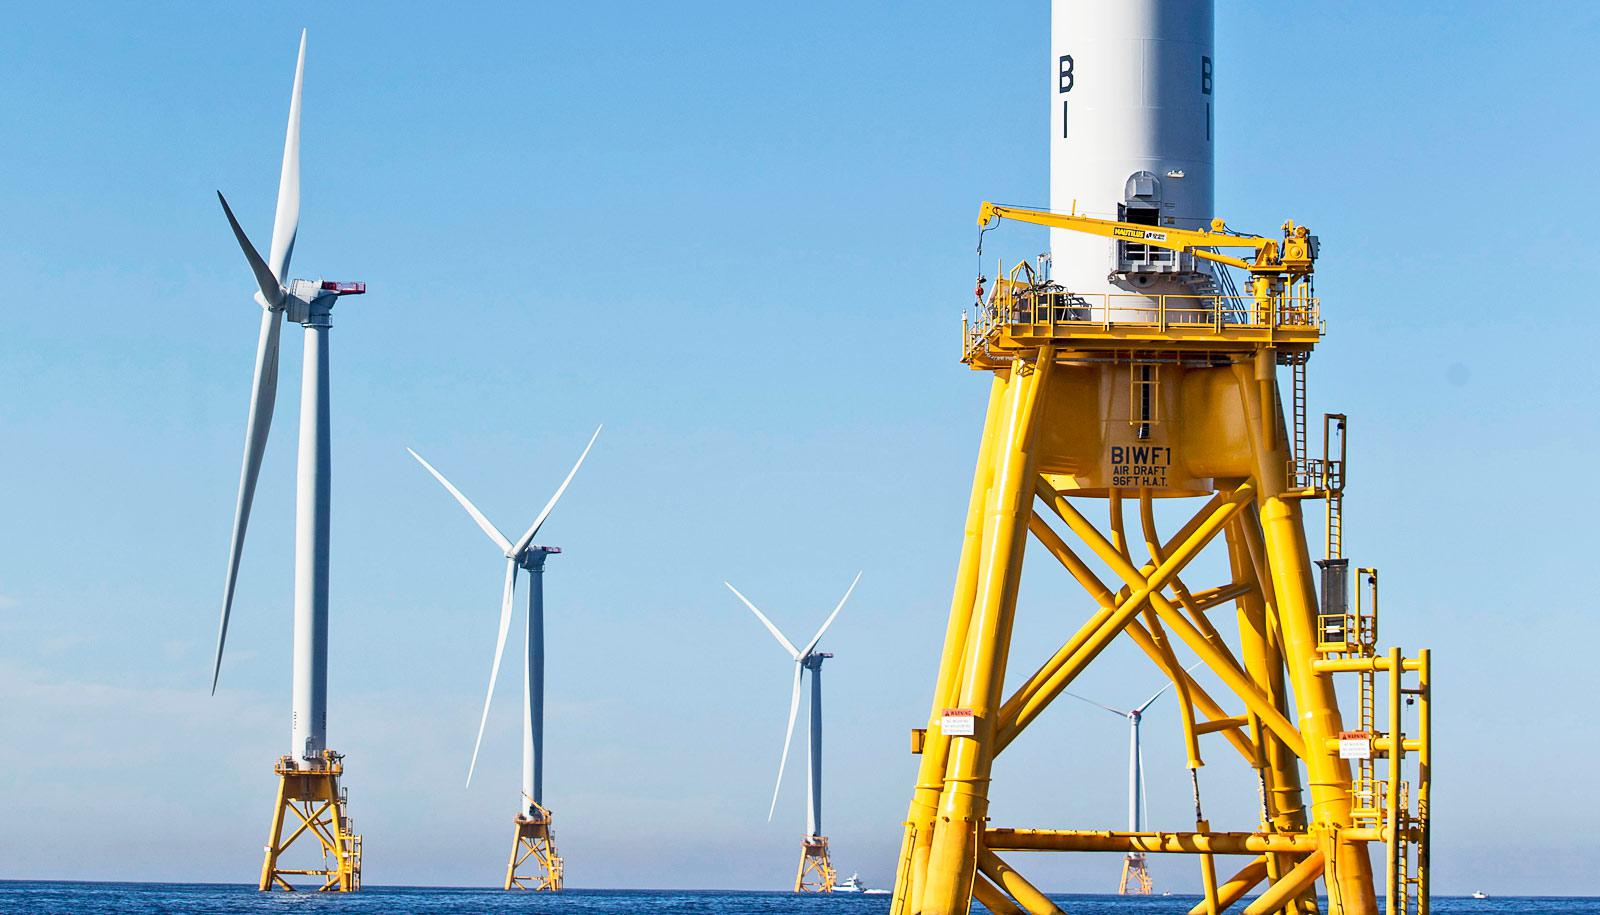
{"x":1298,"y":248}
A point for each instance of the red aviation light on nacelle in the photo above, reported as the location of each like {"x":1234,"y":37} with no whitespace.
{"x":344,"y":288}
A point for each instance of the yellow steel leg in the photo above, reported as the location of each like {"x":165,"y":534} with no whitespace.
{"x":964,"y":801}
{"x":1351,"y":890}
{"x":269,"y":864}
{"x":930,"y":771}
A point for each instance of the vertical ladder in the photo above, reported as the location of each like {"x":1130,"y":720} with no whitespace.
{"x":1335,"y":525}
{"x":1366,"y":637}
{"x":1144,"y":398}
{"x":1332,"y":478}
{"x":1299,"y":375}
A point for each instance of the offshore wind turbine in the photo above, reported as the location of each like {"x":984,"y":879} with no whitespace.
{"x":534,"y":842}
{"x":816,"y":873}
{"x":308,"y":777}
{"x":1135,"y":868}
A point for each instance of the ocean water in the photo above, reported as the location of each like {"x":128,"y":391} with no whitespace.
{"x":50,"y":898}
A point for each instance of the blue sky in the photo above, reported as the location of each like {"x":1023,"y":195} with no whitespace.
{"x":739,"y":235}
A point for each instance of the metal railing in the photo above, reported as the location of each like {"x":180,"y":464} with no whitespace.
{"x":1051,"y":311}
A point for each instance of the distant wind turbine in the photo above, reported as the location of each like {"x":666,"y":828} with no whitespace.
{"x":534,"y":838}
{"x":1134,"y":866}
{"x":814,"y":859}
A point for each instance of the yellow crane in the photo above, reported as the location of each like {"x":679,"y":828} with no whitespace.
{"x":1274,"y":264}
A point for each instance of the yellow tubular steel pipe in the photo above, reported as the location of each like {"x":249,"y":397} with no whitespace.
{"x":1424,"y":771}
{"x":1202,"y":699}
{"x":1066,"y":657}
{"x":1260,"y":636}
{"x":1168,"y":659}
{"x":994,"y":900}
{"x":1220,"y":724}
{"x":1208,"y":873}
{"x":1182,"y":843}
{"x":1212,"y":597}
{"x":1006,"y":877}
{"x":1238,"y":885}
{"x":1352,"y":891}
{"x":930,"y":769}
{"x":1223,"y":666}
{"x":964,"y":802}
{"x":1232,"y":676}
{"x":1290,"y":887}
{"x":1051,"y":685}
{"x":1147,"y":522}
{"x":1397,"y":754}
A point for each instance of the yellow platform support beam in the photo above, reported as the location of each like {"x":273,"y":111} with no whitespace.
{"x":816,"y":873}
{"x":312,"y":804}
{"x":534,"y":864}
{"x":1064,"y":427}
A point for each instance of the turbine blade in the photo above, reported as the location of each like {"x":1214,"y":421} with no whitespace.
{"x":1115,"y":711}
{"x":787,"y":645}
{"x":483,"y":523}
{"x":829,"y":621}
{"x":1150,"y":701}
{"x":286,"y":222}
{"x":263,"y":396}
{"x":788,"y":736}
{"x":271,"y":290}
{"x":1159,"y":693}
{"x":494,"y":669}
{"x":538,"y":522}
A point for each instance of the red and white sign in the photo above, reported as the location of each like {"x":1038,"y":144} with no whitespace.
{"x":956,"y":722}
{"x":1355,"y":745}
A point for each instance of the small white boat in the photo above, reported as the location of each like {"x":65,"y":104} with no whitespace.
{"x":1480,"y":894}
{"x":853,"y":884}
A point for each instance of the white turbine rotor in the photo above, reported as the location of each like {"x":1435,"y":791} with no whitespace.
{"x":264,"y":381}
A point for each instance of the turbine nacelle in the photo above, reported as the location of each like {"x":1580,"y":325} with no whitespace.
{"x":532,"y":558}
{"x":304,"y":299}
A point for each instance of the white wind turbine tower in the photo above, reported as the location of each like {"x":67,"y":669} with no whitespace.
{"x":534,"y":843}
{"x":309,"y":774}
{"x":816,"y":874}
{"x":1135,"y":868}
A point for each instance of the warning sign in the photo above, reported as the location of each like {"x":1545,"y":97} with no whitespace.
{"x":1140,"y":465}
{"x":1355,"y":745}
{"x":956,"y":722}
